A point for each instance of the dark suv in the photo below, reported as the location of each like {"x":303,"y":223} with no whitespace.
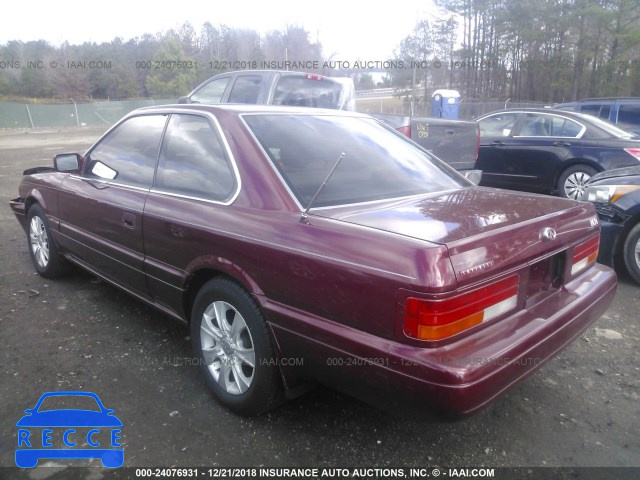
{"x":624,"y":112}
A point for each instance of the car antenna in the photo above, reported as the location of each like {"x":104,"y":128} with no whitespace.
{"x":304,"y":218}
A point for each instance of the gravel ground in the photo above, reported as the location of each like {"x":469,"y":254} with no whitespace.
{"x":580,"y":410}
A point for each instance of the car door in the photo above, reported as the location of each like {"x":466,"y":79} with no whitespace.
{"x":541,"y":145}
{"x":186,"y":209}
{"x":496,"y":134}
{"x":101,"y":210}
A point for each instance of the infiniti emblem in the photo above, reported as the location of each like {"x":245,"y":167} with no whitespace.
{"x":548,"y":234}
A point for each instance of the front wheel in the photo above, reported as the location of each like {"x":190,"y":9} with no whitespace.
{"x":573,"y":181}
{"x":231,"y":341}
{"x":631,"y":253}
{"x":45,"y":255}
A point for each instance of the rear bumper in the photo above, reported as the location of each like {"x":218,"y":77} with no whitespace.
{"x":17,"y":206}
{"x":461,"y":377}
{"x":477,"y":369}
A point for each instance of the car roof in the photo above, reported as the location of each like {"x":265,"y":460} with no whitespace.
{"x":609,"y":99}
{"x":549,"y":111}
{"x":242,"y":108}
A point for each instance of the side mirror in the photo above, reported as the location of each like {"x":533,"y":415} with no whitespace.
{"x":68,"y":163}
{"x":474,"y":176}
{"x":184,"y":99}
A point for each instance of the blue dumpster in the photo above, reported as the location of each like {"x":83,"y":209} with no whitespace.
{"x":445,"y":104}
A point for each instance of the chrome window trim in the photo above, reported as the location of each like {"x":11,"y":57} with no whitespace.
{"x":109,"y":182}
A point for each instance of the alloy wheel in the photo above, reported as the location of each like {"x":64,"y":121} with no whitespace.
{"x":39,"y":241}
{"x":227,"y":347}
{"x":575,"y":185}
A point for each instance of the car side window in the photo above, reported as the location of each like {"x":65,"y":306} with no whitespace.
{"x":629,"y":115}
{"x":500,"y":125}
{"x":128,"y":154}
{"x":536,"y":126}
{"x":193,"y":161}
{"x":246,"y":89}
{"x":591,"y":109}
{"x":212,"y":92}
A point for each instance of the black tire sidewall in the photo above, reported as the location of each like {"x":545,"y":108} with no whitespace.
{"x":629,"y":253}
{"x":265,"y":389}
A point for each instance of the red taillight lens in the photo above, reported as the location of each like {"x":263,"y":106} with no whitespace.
{"x":585,"y":254}
{"x":439,"y":319}
{"x":406,"y":131}
{"x":634,"y":152}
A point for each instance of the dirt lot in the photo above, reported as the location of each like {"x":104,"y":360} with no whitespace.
{"x":580,"y":410}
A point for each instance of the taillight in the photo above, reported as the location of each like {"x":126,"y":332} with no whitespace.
{"x":438,"y":319}
{"x":313,"y":76}
{"x":477,"y":142}
{"x":406,"y":130}
{"x":585,"y":254}
{"x":634,"y":152}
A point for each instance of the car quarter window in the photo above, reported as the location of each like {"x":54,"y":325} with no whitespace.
{"x":212,"y":92}
{"x":193,"y":161}
{"x":500,"y":125}
{"x":563,"y":127}
{"x":629,"y":116}
{"x":246,"y":89}
{"x":128,"y":153}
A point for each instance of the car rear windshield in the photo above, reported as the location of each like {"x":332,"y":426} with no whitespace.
{"x":378,"y":163}
{"x":312,"y":91}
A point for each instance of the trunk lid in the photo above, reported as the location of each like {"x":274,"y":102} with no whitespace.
{"x":486,"y":231}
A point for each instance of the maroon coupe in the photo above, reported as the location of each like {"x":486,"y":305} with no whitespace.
{"x":305,"y":244}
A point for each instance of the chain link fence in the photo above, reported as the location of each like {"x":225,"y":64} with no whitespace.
{"x":34,"y":115}
{"x":469,"y":110}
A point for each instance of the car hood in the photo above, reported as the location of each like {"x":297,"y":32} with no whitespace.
{"x":485,"y":231}
{"x":617,"y":173}
{"x":451,"y":216}
{"x":69,"y":418}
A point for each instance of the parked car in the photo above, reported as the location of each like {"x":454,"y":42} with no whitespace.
{"x":616,"y":194}
{"x":308,"y":245}
{"x":548,"y":151}
{"x":456,"y":142}
{"x":622,"y":111}
{"x":272,"y":87}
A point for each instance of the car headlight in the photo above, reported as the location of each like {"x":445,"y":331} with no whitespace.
{"x":607,"y":193}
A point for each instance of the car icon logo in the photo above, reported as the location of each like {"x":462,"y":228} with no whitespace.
{"x":91,"y":431}
{"x":548,"y":234}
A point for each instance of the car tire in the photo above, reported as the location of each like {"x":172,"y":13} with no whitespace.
{"x":573,"y":181}
{"x":43,"y":251}
{"x":232,"y":345}
{"x":631,"y":253}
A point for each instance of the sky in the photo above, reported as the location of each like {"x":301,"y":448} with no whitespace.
{"x":347,"y":29}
